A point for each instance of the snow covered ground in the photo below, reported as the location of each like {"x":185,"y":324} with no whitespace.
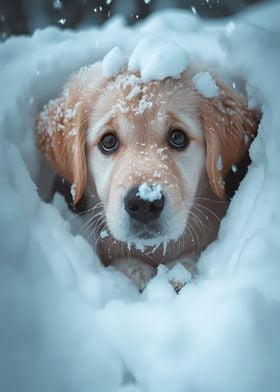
{"x":69,"y":324}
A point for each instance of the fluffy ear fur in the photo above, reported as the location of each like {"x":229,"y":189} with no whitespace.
{"x":61,"y":136}
{"x":229,"y":127}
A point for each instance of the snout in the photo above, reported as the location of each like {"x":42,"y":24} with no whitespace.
{"x":146,"y":214}
{"x":144,"y":203}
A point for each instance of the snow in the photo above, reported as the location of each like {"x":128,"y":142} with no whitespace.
{"x":219,"y":164}
{"x":136,"y":87}
{"x":69,"y":323}
{"x":62,"y":21}
{"x":160,"y":289}
{"x":57,"y":4}
{"x":179,"y":273}
{"x":149,"y":192}
{"x":73,"y":191}
{"x":113,"y":62}
{"x":104,"y":234}
{"x":205,"y":84}
{"x":144,"y":104}
{"x":154,"y":59}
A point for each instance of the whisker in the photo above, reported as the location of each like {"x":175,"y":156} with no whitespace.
{"x":92,"y":219}
{"x":202,"y":226}
{"x":212,"y":200}
{"x":96,"y":225}
{"x":207,"y":209}
{"x":189,"y":228}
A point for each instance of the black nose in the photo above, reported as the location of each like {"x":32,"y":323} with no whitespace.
{"x":142,"y":210}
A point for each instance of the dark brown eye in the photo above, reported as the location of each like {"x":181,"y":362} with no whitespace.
{"x":178,"y":139}
{"x":109,"y":143}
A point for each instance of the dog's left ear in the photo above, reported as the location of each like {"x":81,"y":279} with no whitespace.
{"x":61,"y":137}
{"x":229,"y":127}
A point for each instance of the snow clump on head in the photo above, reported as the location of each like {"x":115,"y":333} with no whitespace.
{"x":149,"y":192}
{"x":156,"y":59}
{"x":205,"y":84}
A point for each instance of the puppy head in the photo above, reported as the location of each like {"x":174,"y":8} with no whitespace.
{"x":146,"y":138}
{"x":132,"y":138}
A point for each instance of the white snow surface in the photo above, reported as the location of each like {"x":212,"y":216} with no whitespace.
{"x":155,"y":59}
{"x":113,"y":62}
{"x":67,"y":322}
{"x":205,"y":84}
{"x":149,"y":192}
{"x":179,"y":273}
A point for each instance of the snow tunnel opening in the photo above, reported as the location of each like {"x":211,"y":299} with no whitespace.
{"x":56,"y":190}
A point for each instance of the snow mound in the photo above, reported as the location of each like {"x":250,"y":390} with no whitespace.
{"x":113,"y":62}
{"x":67,"y":322}
{"x":154,"y":59}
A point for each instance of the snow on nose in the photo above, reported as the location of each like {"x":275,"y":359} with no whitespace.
{"x":144,"y":203}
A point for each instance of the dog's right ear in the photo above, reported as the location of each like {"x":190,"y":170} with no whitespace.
{"x":61,"y":130}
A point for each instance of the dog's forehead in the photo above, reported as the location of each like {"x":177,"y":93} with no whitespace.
{"x":127,"y":94}
{"x":126,"y":103}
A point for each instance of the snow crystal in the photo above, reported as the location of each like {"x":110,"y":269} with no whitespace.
{"x":144,"y":103}
{"x":103,"y":234}
{"x":121,"y":106}
{"x":57,"y":4}
{"x":73,"y":132}
{"x":193,"y":9}
{"x":154,"y":59}
{"x":73,"y":191}
{"x":246,"y":138}
{"x":113,"y":62}
{"x":136,"y":87}
{"x":134,"y":91}
{"x":149,"y":192}
{"x":62,"y":21}
{"x":156,"y":174}
{"x":219,"y":164}
{"x":205,"y":84}
{"x":128,"y":81}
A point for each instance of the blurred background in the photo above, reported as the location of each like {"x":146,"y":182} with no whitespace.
{"x":25,"y":16}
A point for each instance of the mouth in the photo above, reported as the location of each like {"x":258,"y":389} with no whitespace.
{"x":147,"y":237}
{"x":147,"y":231}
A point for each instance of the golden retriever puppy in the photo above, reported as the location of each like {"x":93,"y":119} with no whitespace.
{"x":152,"y":159}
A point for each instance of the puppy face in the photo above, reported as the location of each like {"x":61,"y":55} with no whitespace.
{"x":159,"y":142}
{"x":124,"y":136}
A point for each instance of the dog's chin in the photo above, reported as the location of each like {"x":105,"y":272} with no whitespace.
{"x":147,"y":240}
{"x":143,"y":239}
{"x":147,"y":235}
{"x":141,"y":236}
